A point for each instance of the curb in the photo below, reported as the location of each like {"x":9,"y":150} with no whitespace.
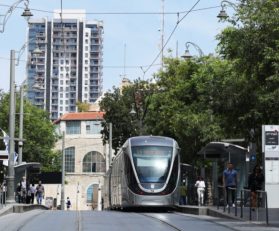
{"x":20,"y":208}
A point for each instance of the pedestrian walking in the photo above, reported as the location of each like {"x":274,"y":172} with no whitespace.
{"x":68,"y":203}
{"x":40,"y":191}
{"x":230,"y":183}
{"x":200,"y":184}
{"x":255,"y":182}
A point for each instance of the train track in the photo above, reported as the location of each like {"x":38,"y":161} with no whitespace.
{"x":160,"y":220}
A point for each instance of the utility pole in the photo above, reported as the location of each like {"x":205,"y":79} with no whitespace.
{"x":63,"y":173}
{"x":11,"y":172}
{"x":162,"y":34}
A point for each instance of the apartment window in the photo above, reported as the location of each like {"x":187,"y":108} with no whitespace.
{"x":70,"y":159}
{"x":73,"y":127}
{"x":93,"y":162}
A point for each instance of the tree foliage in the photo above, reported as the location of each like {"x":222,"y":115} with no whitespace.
{"x":251,"y":44}
{"x":38,"y":132}
{"x":82,"y":106}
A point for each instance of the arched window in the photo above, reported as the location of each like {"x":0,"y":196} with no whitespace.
{"x":93,"y":162}
{"x":70,"y":159}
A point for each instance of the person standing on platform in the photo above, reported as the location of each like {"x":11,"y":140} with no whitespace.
{"x":200,"y":184}
{"x":230,"y":183}
{"x":40,"y":190}
{"x":33,"y":191}
{"x":255,"y":182}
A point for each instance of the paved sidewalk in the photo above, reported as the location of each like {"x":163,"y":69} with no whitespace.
{"x":19,"y":208}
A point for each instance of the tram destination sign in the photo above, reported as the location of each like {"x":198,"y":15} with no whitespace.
{"x":271,"y":138}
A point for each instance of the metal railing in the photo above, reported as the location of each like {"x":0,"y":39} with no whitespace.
{"x":247,"y":204}
{"x":260,"y":206}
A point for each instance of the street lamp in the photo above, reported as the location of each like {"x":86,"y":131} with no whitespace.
{"x":223,"y":14}
{"x":26,"y":13}
{"x":187,"y":54}
{"x":36,"y":51}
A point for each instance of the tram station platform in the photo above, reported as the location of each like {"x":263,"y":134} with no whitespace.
{"x":257,"y":216}
{"x":19,"y":208}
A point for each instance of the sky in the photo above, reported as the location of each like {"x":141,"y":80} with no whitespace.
{"x":132,"y":33}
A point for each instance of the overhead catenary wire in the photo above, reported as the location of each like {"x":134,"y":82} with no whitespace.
{"x":171,"y":34}
{"x":120,"y":13}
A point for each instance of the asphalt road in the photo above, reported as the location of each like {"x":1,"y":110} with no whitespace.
{"x":45,"y":220}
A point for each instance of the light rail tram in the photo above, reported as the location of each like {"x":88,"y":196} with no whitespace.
{"x":144,"y":173}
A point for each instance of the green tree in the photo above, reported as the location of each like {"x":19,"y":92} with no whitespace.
{"x":118,"y":105}
{"x":83,"y":106}
{"x":187,"y":106}
{"x":38,"y":132}
{"x":251,"y":44}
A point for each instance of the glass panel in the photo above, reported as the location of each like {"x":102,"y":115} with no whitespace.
{"x":152,"y":163}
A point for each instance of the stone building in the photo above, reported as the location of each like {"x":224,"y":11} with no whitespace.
{"x":86,"y":158}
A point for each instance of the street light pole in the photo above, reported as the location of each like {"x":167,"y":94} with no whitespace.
{"x":63,"y":173}
{"x":11,"y":172}
{"x":20,"y":142}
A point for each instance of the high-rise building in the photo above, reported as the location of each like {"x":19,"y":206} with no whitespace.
{"x":68,"y":66}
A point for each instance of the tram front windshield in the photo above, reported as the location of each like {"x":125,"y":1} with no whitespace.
{"x":152,"y":163}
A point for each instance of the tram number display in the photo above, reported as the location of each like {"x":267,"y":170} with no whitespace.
{"x":152,"y":151}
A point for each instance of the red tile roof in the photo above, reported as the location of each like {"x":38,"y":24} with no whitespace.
{"x":81,"y":116}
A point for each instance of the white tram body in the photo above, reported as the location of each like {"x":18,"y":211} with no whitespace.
{"x":144,"y":173}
